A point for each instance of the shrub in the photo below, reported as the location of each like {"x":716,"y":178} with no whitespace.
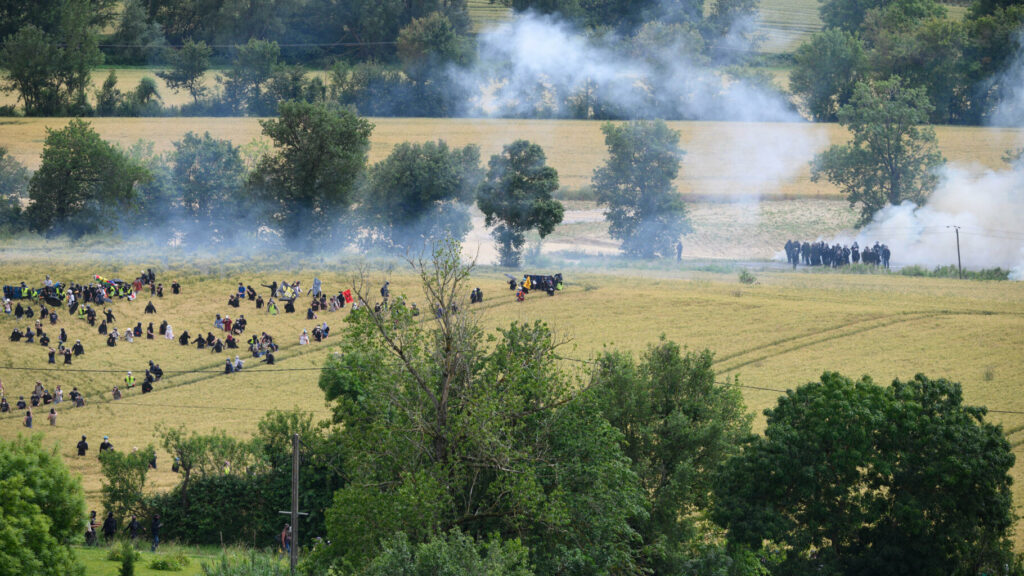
{"x":128,"y":558}
{"x":747,"y":278}
{"x":117,"y":553}
{"x":251,"y":565}
{"x":174,"y":562}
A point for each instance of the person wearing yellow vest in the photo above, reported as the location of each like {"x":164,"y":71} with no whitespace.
{"x":129,"y":380}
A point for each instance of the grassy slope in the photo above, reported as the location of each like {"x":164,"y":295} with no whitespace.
{"x":784,"y":331}
{"x":711,"y":167}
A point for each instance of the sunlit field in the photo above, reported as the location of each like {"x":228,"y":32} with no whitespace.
{"x":781,"y":332}
{"x":715,"y":165}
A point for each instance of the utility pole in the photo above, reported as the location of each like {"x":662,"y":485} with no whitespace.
{"x":294,"y":512}
{"x":959,"y":266}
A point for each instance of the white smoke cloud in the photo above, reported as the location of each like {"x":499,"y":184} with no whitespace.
{"x":986,"y":205}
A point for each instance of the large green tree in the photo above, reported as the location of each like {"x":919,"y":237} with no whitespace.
{"x":420,"y":193}
{"x":245,"y":83}
{"x":680,"y":427}
{"x":310,"y":178}
{"x":124,"y":479}
{"x":42,"y":508}
{"x":853,"y":478}
{"x":83,"y":183}
{"x":210,"y":176}
{"x":826,"y":69}
{"x":13,"y":189}
{"x":515,"y":198}
{"x":642,"y":207}
{"x":442,"y":427}
{"x":187,"y":67}
{"x":893,"y":155}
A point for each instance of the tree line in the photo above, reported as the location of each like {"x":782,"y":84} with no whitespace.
{"x":453,"y":451}
{"x":956,"y":63}
{"x":309,"y":185}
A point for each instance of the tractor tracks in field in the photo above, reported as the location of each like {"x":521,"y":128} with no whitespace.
{"x":790,"y":344}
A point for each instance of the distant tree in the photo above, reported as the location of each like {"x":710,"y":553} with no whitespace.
{"x":311,"y":177}
{"x":31,"y":60}
{"x":893,"y":155}
{"x":157,"y":197}
{"x":827,"y":67}
{"x":429,"y":42}
{"x":244,"y":84}
{"x":994,"y":40}
{"x":188,"y":65}
{"x":643,"y":209}
{"x":14,"y":176}
{"x":420,"y":193}
{"x":47,"y":15}
{"x":847,"y":15}
{"x":853,"y":478}
{"x":124,"y":478}
{"x":679,"y":427}
{"x":108,"y":97}
{"x":82,"y":184}
{"x":41,"y":509}
{"x":137,"y":40}
{"x":516,"y":197}
{"x":210,"y":175}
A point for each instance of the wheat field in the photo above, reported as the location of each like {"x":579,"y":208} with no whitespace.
{"x":781,"y":332}
{"x":715,"y":164}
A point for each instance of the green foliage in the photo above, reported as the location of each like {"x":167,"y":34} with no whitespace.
{"x":137,"y":39}
{"x":82,"y":184}
{"x":441,"y":429}
{"x":251,"y":565}
{"x":128,"y":559}
{"x":747,"y":278}
{"x":119,"y":552}
{"x":453,"y":555}
{"x":124,"y":480}
{"x":429,"y":42}
{"x":187,"y":66}
{"x":680,"y":427}
{"x":175,"y":562}
{"x":311,"y":177}
{"x":515,"y":197}
{"x":893,"y":156}
{"x":254,"y":65}
{"x":856,"y":478}
{"x":419,"y":194}
{"x":41,"y":510}
{"x":643,"y":209}
{"x":157,"y":197}
{"x":826,"y":70}
{"x":209,"y":174}
{"x":951,"y":271}
{"x":14,"y":177}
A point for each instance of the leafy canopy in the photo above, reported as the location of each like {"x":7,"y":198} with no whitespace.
{"x":893,"y":156}
{"x":515,"y":197}
{"x":643,"y":209}
{"x":853,"y":478}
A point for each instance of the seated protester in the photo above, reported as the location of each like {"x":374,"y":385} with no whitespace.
{"x":29,"y":336}
{"x":228,"y":366}
{"x":230,"y":342}
{"x":72,"y":307}
{"x":238,"y":364}
{"x":111,"y":341}
{"x":103,"y":328}
{"x":210,"y":338}
{"x":19,"y":311}
{"x":227,"y":324}
{"x":138,"y":329}
{"x":115,"y":334}
{"x":163,"y":327}
{"x":79,"y":401}
{"x":289,"y":307}
{"x":78,"y":349}
{"x":250,"y":293}
{"x":91,"y":317}
{"x":75,"y":394}
{"x":318,"y":334}
{"x":28,"y":312}
{"x":116,"y":393}
{"x":310,"y":314}
{"x":35,"y":399}
{"x":149,"y":331}
{"x":16,"y":335}
{"x":4,"y":406}
{"x":21,"y":403}
{"x":152,"y":289}
{"x":51,"y":356}
{"x":325,"y":329}
{"x":53,"y":317}
{"x":415,"y":309}
{"x":314,"y":306}
{"x":159,"y":290}
{"x":129,"y":335}
{"x":512,"y":284}
{"x":176,"y":288}
{"x":233,"y":302}
{"x":150,"y":309}
{"x":184,"y":338}
{"x":149,"y":379}
{"x":47,"y":397}
{"x":240,"y":324}
{"x":218,"y":323}
{"x":272,"y":308}
{"x":269,"y":359}
{"x":304,"y":338}
{"x":218,"y":347}
{"x":63,"y":336}
{"x":67,"y":356}
{"x":259,"y":302}
{"x":147,"y":387}
{"x":44,"y":340}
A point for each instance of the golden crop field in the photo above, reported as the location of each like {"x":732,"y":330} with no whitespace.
{"x":717,"y":161}
{"x":777,"y":334}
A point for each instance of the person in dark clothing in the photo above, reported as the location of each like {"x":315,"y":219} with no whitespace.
{"x":269,"y":358}
{"x":150,"y":333}
{"x":67,"y":357}
{"x":228,"y":367}
{"x":133,"y":528}
{"x":20,"y":405}
{"x":150,"y":309}
{"x":51,"y":356}
{"x":176,"y":288}
{"x":78,"y":349}
{"x":272,"y":286}
{"x":259,"y":302}
{"x":200,"y":342}
{"x":154,"y":531}
{"x":109,"y":527}
{"x":106,"y":445}
{"x":63,"y":336}
{"x":111,"y":341}
{"x":83,"y":446}
{"x":103,"y":328}
{"x":110,"y":315}
{"x":163,"y":328}
{"x":184,"y":338}
{"x":289,"y":307}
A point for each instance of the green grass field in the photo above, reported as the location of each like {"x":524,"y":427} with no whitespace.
{"x":96,"y":563}
{"x":781,"y":332}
